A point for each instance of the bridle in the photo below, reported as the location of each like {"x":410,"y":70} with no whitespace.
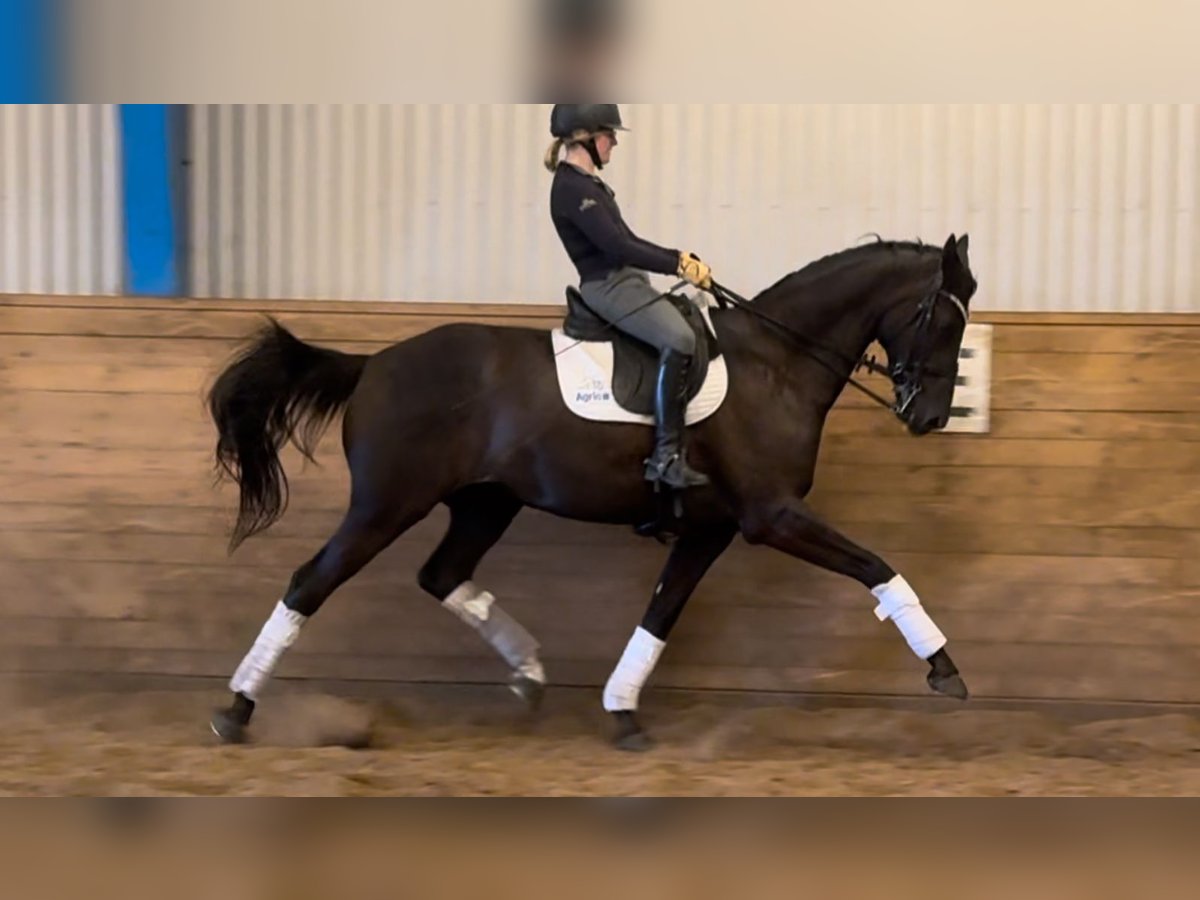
{"x":907,"y":373}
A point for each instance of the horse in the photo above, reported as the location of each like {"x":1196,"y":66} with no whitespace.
{"x":470,"y":416}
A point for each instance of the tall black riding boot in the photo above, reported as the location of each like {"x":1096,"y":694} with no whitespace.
{"x":668,"y":464}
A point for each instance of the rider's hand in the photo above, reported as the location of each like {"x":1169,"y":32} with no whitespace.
{"x":695,"y":272}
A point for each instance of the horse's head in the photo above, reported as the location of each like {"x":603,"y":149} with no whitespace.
{"x":923,"y":343}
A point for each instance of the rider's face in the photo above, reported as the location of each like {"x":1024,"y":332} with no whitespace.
{"x":605,"y":142}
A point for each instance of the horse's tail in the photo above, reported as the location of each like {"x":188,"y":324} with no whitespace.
{"x":278,"y":389}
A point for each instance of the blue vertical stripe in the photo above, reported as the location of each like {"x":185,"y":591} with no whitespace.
{"x":152,"y":171}
{"x":28,"y":51}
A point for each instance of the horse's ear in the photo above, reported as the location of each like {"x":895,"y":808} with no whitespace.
{"x":949,"y":250}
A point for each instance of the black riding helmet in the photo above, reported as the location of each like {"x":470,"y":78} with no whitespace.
{"x":567,"y":118}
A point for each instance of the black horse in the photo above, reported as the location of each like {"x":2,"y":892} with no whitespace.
{"x":471,"y":416}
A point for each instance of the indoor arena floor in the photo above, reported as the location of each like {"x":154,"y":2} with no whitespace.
{"x":479,"y":742}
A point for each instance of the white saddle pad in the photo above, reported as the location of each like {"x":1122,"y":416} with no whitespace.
{"x":585,"y":374}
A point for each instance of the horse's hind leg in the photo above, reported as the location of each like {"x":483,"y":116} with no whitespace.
{"x":479,"y":516}
{"x":367,"y":529}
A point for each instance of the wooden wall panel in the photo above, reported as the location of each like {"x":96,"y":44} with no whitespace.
{"x":1061,"y":552}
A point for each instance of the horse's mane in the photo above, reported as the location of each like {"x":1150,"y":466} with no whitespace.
{"x":842,"y":259}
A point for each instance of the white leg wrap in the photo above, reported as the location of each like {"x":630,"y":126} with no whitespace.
{"x":504,"y":633}
{"x":638,"y":661}
{"x":898,"y":602}
{"x":279,"y":633}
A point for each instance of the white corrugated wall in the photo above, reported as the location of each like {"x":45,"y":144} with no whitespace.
{"x":1089,"y":208}
{"x":60,"y":217}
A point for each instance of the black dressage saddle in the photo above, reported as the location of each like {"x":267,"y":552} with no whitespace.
{"x":635,"y":363}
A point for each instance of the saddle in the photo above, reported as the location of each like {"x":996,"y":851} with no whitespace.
{"x":635,"y":363}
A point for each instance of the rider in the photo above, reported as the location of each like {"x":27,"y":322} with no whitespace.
{"x":612,"y":263}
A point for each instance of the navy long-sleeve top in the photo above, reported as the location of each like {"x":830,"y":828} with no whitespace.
{"x":594,"y":233}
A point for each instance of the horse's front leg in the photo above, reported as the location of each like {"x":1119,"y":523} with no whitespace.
{"x":789,"y":525}
{"x":690,"y":559}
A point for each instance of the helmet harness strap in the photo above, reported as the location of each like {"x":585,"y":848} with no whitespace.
{"x":590,"y":146}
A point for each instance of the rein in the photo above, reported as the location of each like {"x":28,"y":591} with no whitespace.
{"x":897,"y":374}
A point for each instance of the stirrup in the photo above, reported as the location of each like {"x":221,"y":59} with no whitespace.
{"x":675,"y":473}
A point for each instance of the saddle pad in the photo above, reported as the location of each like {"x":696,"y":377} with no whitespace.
{"x":585,"y":374}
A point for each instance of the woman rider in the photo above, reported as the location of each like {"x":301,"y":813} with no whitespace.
{"x":613,"y":263}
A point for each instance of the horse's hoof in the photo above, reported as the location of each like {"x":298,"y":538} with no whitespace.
{"x":630,"y":736}
{"x":639,"y":742}
{"x":948,"y":685}
{"x":227,"y":727}
{"x":530,"y":691}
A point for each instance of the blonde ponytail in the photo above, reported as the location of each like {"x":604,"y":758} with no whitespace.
{"x":553,"y":154}
{"x":577,"y":137}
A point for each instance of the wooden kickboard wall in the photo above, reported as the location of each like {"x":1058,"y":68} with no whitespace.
{"x":1060,"y":552}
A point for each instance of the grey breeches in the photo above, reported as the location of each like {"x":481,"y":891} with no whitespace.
{"x":660,"y":324}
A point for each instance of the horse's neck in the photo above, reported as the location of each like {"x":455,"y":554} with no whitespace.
{"x":843,"y":312}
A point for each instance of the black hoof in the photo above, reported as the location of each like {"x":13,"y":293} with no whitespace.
{"x":629,"y":735}
{"x":949,"y":685}
{"x":226,"y":726}
{"x":530,"y":691}
{"x":943,"y":676}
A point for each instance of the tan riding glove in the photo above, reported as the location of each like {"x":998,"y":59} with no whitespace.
{"x":695,"y":272}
